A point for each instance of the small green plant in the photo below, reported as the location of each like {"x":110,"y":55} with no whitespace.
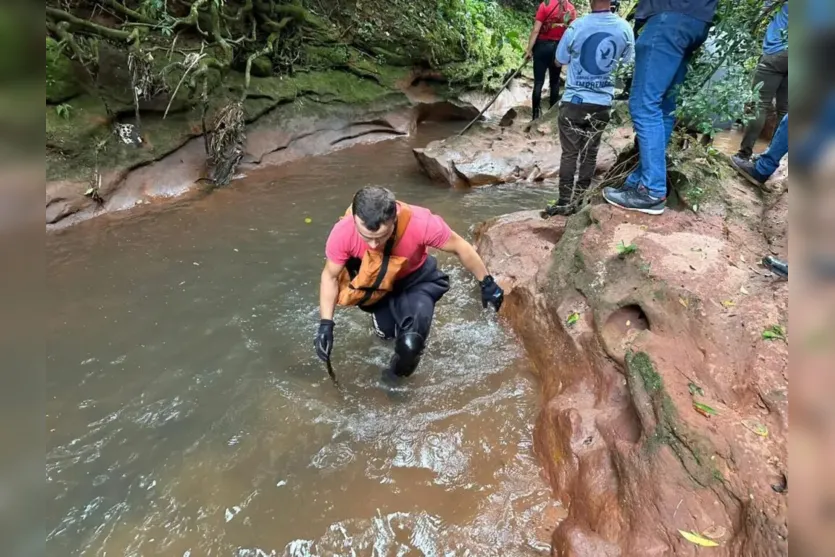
{"x":572,"y":319}
{"x":64,"y":111}
{"x":624,"y":250}
{"x":774,"y":332}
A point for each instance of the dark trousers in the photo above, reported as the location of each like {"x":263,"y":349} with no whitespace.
{"x":406,"y":314}
{"x":544,"y":60}
{"x":581,"y":129}
{"x":773,"y":73}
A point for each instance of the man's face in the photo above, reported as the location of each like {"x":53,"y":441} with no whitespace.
{"x":377,"y":239}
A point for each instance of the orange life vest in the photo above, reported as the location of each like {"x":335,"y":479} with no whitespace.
{"x":377,"y":270}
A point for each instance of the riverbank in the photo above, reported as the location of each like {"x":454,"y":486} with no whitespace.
{"x":130,"y":104}
{"x":661,"y":346}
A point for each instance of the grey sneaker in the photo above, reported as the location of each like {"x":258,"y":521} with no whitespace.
{"x":637,"y":199}
{"x":748,"y":170}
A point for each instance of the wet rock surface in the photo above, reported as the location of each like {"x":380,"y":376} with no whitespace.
{"x":666,"y":407}
{"x":509,"y":149}
{"x":171,"y":160}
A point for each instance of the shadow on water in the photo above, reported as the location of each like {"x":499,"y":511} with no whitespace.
{"x":188,"y":414}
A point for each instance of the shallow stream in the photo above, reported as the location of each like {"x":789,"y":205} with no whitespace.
{"x":188,"y":416}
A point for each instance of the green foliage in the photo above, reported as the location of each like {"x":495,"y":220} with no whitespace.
{"x":60,"y":81}
{"x":64,"y":111}
{"x":774,"y":332}
{"x":718,"y":86}
{"x":624,"y":250}
{"x":493,"y":39}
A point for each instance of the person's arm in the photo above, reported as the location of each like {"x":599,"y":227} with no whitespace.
{"x":329,"y":289}
{"x":537,"y":25}
{"x":564,"y":47}
{"x":467,"y":254}
{"x":629,"y":52}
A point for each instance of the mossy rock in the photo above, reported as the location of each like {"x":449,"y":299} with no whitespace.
{"x":61,"y":81}
{"x":71,"y":129}
{"x":262,"y":67}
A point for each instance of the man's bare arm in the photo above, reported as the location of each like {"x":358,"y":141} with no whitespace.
{"x":329,"y":289}
{"x":467,"y":254}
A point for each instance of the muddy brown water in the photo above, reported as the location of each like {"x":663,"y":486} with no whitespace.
{"x":187,"y":414}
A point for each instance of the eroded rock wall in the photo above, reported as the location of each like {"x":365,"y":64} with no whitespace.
{"x":665,"y":407}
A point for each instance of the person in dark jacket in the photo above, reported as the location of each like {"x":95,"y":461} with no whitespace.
{"x":673,"y":30}
{"x":549,"y":26}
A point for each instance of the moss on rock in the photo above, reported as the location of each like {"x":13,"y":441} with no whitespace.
{"x":61,"y":82}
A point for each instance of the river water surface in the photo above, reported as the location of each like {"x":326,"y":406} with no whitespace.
{"x":187,"y":414}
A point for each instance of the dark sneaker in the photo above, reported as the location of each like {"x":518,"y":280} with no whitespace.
{"x":748,"y":171}
{"x":776,"y":266}
{"x":637,"y":199}
{"x":560,"y":208}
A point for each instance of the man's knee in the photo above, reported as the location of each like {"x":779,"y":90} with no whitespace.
{"x":407,"y":352}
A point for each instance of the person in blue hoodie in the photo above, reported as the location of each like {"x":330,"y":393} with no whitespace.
{"x":673,"y":30}
{"x":591,"y":49}
{"x":773,"y":73}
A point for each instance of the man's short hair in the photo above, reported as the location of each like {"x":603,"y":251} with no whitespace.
{"x":374,"y":206}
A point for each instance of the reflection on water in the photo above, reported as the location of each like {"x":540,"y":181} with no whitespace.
{"x":187,"y":414}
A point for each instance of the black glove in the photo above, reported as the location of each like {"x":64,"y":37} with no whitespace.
{"x":491,"y":293}
{"x":324,"y":340}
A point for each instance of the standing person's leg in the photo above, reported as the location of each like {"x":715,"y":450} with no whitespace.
{"x":666,"y":42}
{"x":668,"y":104}
{"x":554,"y":78}
{"x":600,"y":117}
{"x":782,"y":100}
{"x":771,"y":78}
{"x":540,"y":66}
{"x":769,"y":161}
{"x":657,"y":60}
{"x":571,"y":138}
{"x":757,"y":173}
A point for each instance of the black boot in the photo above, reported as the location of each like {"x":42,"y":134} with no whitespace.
{"x":536,"y":113}
{"x":561,"y":208}
{"x":407,"y":351}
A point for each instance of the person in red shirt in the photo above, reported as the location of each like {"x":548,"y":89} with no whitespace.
{"x":377,"y":260}
{"x":549,"y":26}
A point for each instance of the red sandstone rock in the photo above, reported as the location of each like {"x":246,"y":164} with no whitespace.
{"x":619,"y":438}
{"x":509,"y":152}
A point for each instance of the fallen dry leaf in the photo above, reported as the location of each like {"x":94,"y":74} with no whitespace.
{"x":729,"y":303}
{"x":743,"y":290}
{"x":697,"y":539}
{"x":683,"y":302}
{"x":704,"y":409}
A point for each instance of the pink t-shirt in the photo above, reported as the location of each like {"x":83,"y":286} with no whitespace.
{"x":425,"y":230}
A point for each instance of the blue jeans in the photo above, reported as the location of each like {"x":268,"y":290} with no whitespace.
{"x":777,"y":149}
{"x":662,"y":52}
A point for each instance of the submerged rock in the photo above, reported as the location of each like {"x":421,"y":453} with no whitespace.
{"x":666,"y":408}
{"x":512,"y":151}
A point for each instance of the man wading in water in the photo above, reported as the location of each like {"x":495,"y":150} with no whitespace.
{"x":377,"y":260}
